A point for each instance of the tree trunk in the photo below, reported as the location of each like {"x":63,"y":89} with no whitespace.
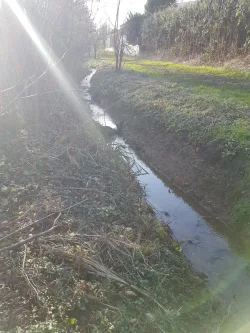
{"x":95,"y":51}
{"x":117,"y":62}
{"x":121,"y":54}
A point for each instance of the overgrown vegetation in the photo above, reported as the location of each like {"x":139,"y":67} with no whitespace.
{"x":217,"y":30}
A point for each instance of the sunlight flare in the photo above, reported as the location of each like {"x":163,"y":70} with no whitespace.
{"x":52,"y":61}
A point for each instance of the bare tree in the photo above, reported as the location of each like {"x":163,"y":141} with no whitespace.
{"x":100,"y":37}
{"x":65,"y":26}
{"x":119,"y":42}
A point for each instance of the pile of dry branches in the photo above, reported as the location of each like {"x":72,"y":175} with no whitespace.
{"x":63,"y":194}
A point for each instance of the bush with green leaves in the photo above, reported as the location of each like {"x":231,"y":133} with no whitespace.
{"x":132,"y":28}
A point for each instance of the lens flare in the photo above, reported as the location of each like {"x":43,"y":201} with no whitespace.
{"x":53,"y":64}
{"x":244,"y":329}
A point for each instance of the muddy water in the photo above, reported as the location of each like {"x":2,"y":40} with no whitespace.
{"x":211,"y":247}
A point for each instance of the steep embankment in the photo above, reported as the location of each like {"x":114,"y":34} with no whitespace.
{"x":192,"y":126}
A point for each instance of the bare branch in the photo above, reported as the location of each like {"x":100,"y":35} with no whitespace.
{"x":32,"y":83}
{"x":31,"y":238}
{"x":38,"y":221}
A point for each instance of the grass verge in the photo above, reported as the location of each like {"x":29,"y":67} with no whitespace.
{"x":159,"y":66}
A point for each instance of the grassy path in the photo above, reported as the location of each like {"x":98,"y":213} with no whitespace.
{"x":221,"y":82}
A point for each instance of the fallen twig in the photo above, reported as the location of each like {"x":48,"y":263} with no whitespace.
{"x":95,"y":267}
{"x":25,"y":274}
{"x":28,"y":240}
{"x":40,"y":220}
{"x":79,"y":189}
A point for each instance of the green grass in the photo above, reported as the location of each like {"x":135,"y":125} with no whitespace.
{"x":222,"y":107}
{"x":208,"y":112}
{"x":239,"y":94}
{"x":159,"y":66}
{"x":217,"y":81}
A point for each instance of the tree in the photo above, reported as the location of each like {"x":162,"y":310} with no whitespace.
{"x":63,"y":30}
{"x":100,"y":38}
{"x":103,"y":33}
{"x":132,"y":28}
{"x":119,"y":42}
{"x":153,"y":6}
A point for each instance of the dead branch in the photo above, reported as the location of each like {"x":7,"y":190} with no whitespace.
{"x":50,"y":92}
{"x":25,"y":274}
{"x":40,"y":220}
{"x":33,"y":82}
{"x":30,"y":239}
{"x":92,"y":265}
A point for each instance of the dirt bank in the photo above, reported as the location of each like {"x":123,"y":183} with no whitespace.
{"x":181,"y":166}
{"x":196,"y":169}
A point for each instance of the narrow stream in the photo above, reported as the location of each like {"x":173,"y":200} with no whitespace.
{"x":207,"y":243}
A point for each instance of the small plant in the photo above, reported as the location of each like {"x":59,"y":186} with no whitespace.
{"x":161,"y":231}
{"x":242,"y":214}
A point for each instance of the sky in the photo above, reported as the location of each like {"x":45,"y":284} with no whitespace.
{"x":105,"y":10}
